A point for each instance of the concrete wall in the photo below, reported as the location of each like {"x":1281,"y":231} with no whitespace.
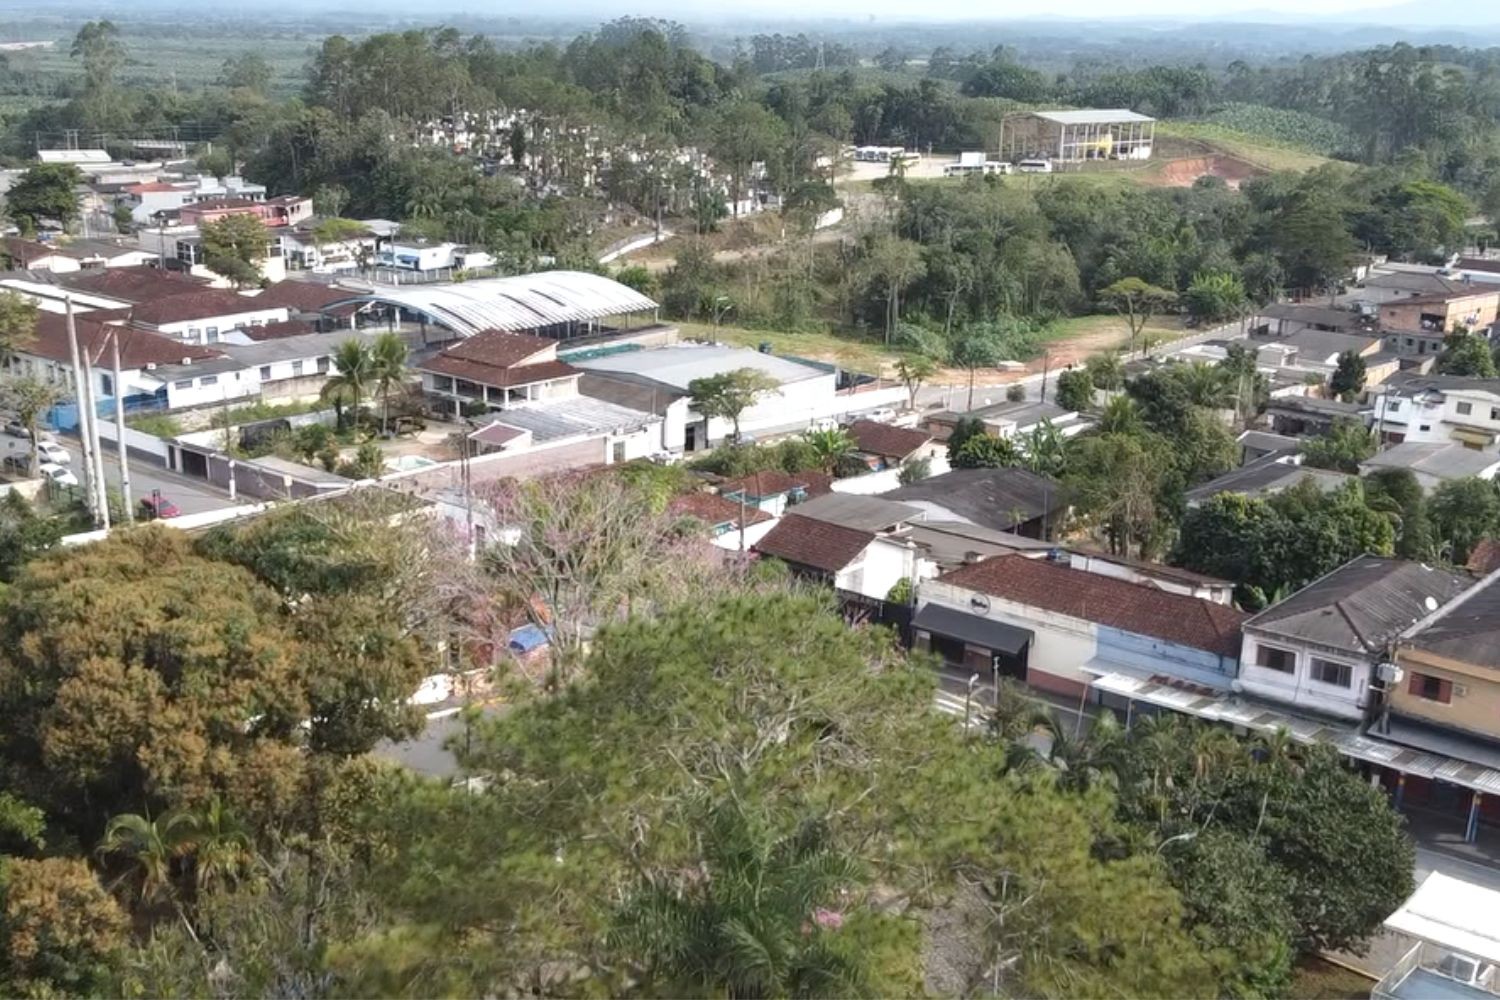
{"x":571,"y":454}
{"x":138,"y":444}
{"x":196,"y":331}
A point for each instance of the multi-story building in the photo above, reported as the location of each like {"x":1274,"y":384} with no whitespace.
{"x":1439,"y":409}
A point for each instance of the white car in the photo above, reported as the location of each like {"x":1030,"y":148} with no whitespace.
{"x":881,"y":416}
{"x":55,"y":473}
{"x":51,"y":451}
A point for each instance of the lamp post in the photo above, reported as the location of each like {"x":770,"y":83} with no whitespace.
{"x":969,"y":701}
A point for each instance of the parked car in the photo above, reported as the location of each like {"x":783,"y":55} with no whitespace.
{"x":15,"y":428}
{"x":57,"y":475}
{"x":51,"y":451}
{"x":156,"y":506}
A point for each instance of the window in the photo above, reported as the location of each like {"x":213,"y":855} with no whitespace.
{"x":213,"y":334}
{"x":1328,"y":672}
{"x":619,"y":452}
{"x":1465,"y":408}
{"x":1393,"y":406}
{"x":1430,"y":688}
{"x":1281,"y":660}
{"x":265,"y":373}
{"x":209,"y":380}
{"x":193,"y":334}
{"x":296,"y":368}
{"x":1495,"y":413}
{"x":322,"y":366}
{"x":186,"y":383}
{"x":1425,"y":427}
{"x":1408,"y":341}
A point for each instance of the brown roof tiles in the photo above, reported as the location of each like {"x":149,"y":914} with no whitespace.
{"x":817,"y":544}
{"x":1130,"y":607}
{"x":885,"y":440}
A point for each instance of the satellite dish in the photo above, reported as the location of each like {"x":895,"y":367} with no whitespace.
{"x":1431,"y":603}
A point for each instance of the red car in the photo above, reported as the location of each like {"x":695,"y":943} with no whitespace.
{"x":156,"y":506}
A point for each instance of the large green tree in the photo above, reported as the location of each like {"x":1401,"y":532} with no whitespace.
{"x":47,"y":191}
{"x":728,"y":395}
{"x":234,"y":247}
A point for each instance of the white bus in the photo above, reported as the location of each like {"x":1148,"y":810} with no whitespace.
{"x":1035,"y":166}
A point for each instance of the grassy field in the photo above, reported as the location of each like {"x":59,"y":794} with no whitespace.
{"x":1068,"y":341}
{"x":1265,"y":153}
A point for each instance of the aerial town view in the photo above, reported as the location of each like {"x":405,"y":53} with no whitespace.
{"x":756,"y":501}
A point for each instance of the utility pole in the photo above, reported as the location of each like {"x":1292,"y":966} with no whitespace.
{"x":90,"y":499}
{"x":95,"y":446}
{"x":125,"y":502}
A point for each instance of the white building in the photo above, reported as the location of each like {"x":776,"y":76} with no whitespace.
{"x":659,"y":380}
{"x":1439,"y":409}
{"x":1319,"y":649}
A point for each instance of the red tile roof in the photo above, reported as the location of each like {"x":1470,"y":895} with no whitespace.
{"x":1130,"y":607}
{"x":133,"y":284}
{"x":304,"y":296}
{"x":480,"y":374}
{"x":773,"y":482}
{"x":499,"y":358}
{"x":876,"y":438}
{"x":500,"y":348}
{"x":1484,"y":558}
{"x":713,"y":510}
{"x":138,"y":348}
{"x":23,"y":252}
{"x":818,"y":544}
{"x":203,"y":303}
{"x":276,"y":331}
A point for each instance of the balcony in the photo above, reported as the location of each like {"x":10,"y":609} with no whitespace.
{"x":1431,"y":972}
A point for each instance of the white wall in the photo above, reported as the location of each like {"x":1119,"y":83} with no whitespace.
{"x":195,"y":331}
{"x":730,"y":540}
{"x":218,"y":387}
{"x":1298,"y":688}
{"x":1062,"y":645}
{"x":884,"y":562}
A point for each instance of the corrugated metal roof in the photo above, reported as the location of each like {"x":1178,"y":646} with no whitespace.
{"x":1093,"y":116}
{"x":572,"y":417}
{"x":520,"y":302}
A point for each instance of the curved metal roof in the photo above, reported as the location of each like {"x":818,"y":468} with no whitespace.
{"x":521,"y":302}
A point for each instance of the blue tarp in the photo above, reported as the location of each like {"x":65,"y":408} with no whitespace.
{"x":64,"y":416}
{"x":526,"y":639}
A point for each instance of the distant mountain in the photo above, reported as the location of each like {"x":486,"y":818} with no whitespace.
{"x":1434,"y":14}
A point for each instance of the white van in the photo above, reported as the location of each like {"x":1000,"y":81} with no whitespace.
{"x":1035,"y":166}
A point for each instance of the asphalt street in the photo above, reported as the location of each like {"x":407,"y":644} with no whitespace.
{"x":192,"y":496}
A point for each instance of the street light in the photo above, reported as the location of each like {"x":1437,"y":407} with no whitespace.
{"x":969,"y":700}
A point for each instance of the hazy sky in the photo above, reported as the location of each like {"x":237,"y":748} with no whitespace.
{"x":905,"y":10}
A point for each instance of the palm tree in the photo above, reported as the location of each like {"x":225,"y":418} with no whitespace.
{"x":1122,"y":415}
{"x":355,"y":375}
{"x":1208,"y":385}
{"x":153,"y":847}
{"x":388,"y":354}
{"x":218,"y":842}
{"x":831,"y":445}
{"x":752,"y":919}
{"x":30,"y":398}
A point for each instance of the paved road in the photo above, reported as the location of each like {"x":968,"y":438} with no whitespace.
{"x":192,"y":496}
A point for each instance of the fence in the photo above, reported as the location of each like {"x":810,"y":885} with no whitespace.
{"x":65,"y":416}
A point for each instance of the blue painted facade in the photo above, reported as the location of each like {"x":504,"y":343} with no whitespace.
{"x":1158,"y":656}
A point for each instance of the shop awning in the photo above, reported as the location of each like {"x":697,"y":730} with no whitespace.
{"x":972,"y":629}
